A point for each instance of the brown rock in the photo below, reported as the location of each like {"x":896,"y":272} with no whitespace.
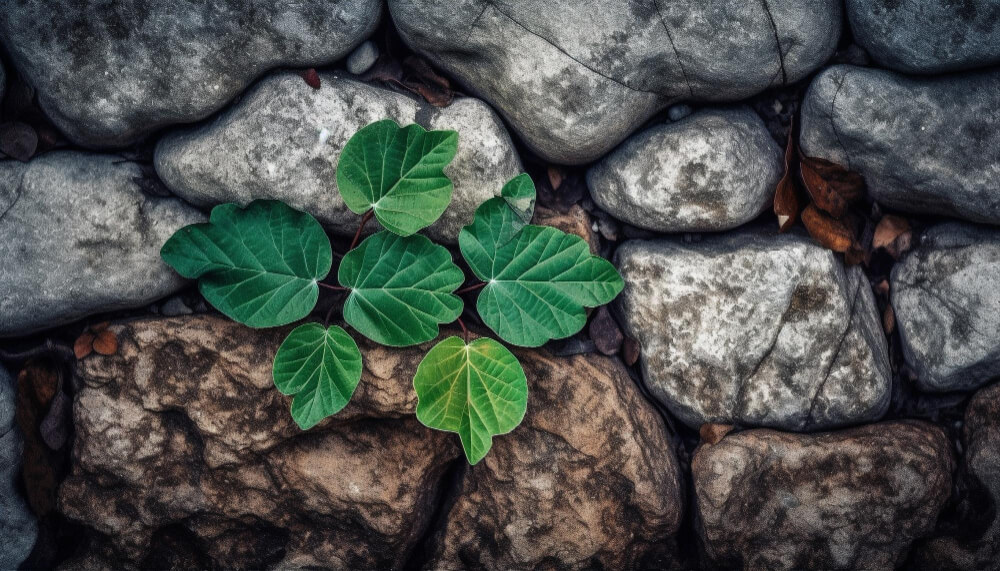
{"x":852,"y":499}
{"x":575,"y":221}
{"x":976,"y":545}
{"x":183,"y":428}
{"x":588,"y":480}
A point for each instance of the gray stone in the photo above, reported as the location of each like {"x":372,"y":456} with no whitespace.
{"x":574,"y":79}
{"x":362,"y":58}
{"x":928,"y":146}
{"x":283,"y":141}
{"x":977,"y":545}
{"x":946,"y":297}
{"x":3,"y":81}
{"x":853,"y":499}
{"x":175,"y":306}
{"x":712,"y":171}
{"x":78,"y":237}
{"x":927,"y":36}
{"x":755,"y":329}
{"x":679,"y":111}
{"x":109,"y":73}
{"x":17,"y":524}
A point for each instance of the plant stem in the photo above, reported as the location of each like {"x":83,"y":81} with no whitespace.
{"x":465,"y":332}
{"x":329,"y":314}
{"x":473,"y":287}
{"x":357,"y":235}
{"x":331,"y":287}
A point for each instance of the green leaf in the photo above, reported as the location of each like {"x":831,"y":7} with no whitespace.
{"x":497,"y":221}
{"x":321,"y":367}
{"x":539,"y":283}
{"x":258,"y":265}
{"x":398,"y":173}
{"x":477,"y":390}
{"x":401,"y":288}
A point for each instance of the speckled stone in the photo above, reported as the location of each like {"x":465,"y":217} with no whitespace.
{"x":755,"y":329}
{"x":17,"y":524}
{"x":284,"y":138}
{"x":946,"y":297}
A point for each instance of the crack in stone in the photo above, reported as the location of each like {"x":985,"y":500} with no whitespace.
{"x":472,"y":26}
{"x":777,"y":42}
{"x":833,"y":122}
{"x":836,"y":352}
{"x":567,"y":54}
{"x":677,"y":54}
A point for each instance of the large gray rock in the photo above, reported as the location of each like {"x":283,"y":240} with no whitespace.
{"x":17,"y":524}
{"x":853,"y":499}
{"x":946,"y":297}
{"x":3,"y":82}
{"x":109,"y":73}
{"x":77,"y":237}
{"x":574,"y":79}
{"x":755,"y":329}
{"x":283,"y":141}
{"x":711,"y":171}
{"x":927,"y":36}
{"x":927,"y":146}
{"x":977,"y":543}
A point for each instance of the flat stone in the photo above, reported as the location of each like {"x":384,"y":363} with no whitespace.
{"x":927,"y":145}
{"x":927,"y":36}
{"x":109,"y":74}
{"x":17,"y":524}
{"x":756,"y":329}
{"x":79,"y":237}
{"x":575,"y":79}
{"x":589,"y":479}
{"x":714,"y":170}
{"x":853,"y":499}
{"x":977,"y":545}
{"x":946,"y":297}
{"x":284,"y":138}
{"x":183,"y":427}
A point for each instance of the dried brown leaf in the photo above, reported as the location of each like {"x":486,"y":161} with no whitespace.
{"x":712,"y":433}
{"x":889,"y":320}
{"x":556,"y":176}
{"x":832,"y":187}
{"x":311,"y":78}
{"x":421,"y":78}
{"x":84,"y":345}
{"x":829,"y":232}
{"x":787,"y":205}
{"x":106,"y":343}
{"x":894,"y":235}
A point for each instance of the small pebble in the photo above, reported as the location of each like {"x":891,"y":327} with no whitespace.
{"x":362,"y":58}
{"x":679,"y":111}
{"x":175,"y":306}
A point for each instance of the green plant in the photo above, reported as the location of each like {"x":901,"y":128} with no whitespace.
{"x":264,"y":266}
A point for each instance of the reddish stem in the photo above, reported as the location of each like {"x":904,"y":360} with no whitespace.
{"x":474,"y":287}
{"x":331,"y":287}
{"x":465,"y":332}
{"x":357,"y":235}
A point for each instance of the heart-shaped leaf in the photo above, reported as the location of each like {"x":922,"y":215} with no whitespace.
{"x":258,"y":265}
{"x":401,"y":288}
{"x":398,"y":173}
{"x":321,"y":367}
{"x":539,"y":283}
{"x":477,"y":390}
{"x":498,"y":220}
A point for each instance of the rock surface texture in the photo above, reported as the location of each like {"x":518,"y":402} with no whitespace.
{"x":946,"y":296}
{"x":588,"y":480}
{"x":711,"y":171}
{"x":77,"y":237}
{"x":17,"y":523}
{"x":221,"y":456}
{"x":590,"y":477}
{"x":977,"y":545}
{"x":854,"y":499}
{"x":283,"y":141}
{"x":890,"y":129}
{"x":575,"y":79}
{"x":927,"y":36}
{"x":755,"y":329}
{"x":108,"y":74}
